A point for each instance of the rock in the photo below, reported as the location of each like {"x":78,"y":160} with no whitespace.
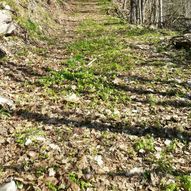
{"x":158,"y":155}
{"x":2,"y":53}
{"x":72,"y":98}
{"x":51,"y":172}
{"x":74,"y":186}
{"x":167,"y":142}
{"x":11,"y":186}
{"x":6,"y":103}
{"x":54,"y":147}
{"x":135,"y":171}
{"x":183,"y":41}
{"x":7,"y":26}
{"x":28,"y":142}
{"x":4,"y":6}
{"x":189,"y":83}
{"x":99,"y":160}
{"x":2,"y":140}
{"x":32,"y":154}
{"x":117,"y":81}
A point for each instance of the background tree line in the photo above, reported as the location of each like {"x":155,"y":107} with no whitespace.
{"x":167,"y":13}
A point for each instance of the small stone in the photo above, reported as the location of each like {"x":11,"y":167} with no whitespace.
{"x":11,"y":186}
{"x":51,"y":172}
{"x":7,"y":7}
{"x":40,"y":138}
{"x":73,"y":87}
{"x":159,"y":149}
{"x":5,"y":102}
{"x":32,"y":154}
{"x":117,"y":81}
{"x":158,"y":155}
{"x":134,"y":171}
{"x":142,"y":151}
{"x":116,"y":112}
{"x":179,"y":81}
{"x":75,"y":187}
{"x":167,"y":142}
{"x":72,"y":98}
{"x":108,"y":111}
{"x":189,"y":83}
{"x":135,"y":111}
{"x":2,"y":140}
{"x":28,"y":142}
{"x":99,"y":160}
{"x":170,"y":181}
{"x":88,"y":176}
{"x":54,"y":147}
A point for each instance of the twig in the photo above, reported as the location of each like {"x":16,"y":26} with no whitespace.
{"x":92,"y":62}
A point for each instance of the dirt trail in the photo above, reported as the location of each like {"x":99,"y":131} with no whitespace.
{"x":48,"y":143}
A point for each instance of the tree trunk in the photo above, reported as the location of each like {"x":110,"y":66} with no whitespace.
{"x":160,"y":13}
{"x":133,"y":12}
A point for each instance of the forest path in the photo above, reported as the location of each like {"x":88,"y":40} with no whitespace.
{"x":101,"y":106}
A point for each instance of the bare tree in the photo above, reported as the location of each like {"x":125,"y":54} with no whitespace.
{"x":156,"y":12}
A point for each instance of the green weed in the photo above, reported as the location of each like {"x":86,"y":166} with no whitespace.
{"x":145,"y":143}
{"x":87,"y":83}
{"x":164,"y":164}
{"x":181,"y":183}
{"x":4,"y":113}
{"x":83,"y":184}
{"x":29,"y":133}
{"x":40,"y":171}
{"x":22,"y":52}
{"x":31,"y":27}
{"x":51,"y":186}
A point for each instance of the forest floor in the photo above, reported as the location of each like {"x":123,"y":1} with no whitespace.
{"x":102,"y":106}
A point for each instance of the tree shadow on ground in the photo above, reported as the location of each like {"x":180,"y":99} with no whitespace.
{"x":156,"y":170}
{"x":115,"y":127}
{"x":20,"y":72}
{"x":166,"y":55}
{"x":146,"y":175}
{"x":177,"y":63}
{"x":172,"y":103}
{"x":140,"y":91}
{"x":143,"y":79}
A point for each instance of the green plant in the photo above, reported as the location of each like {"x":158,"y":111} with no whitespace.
{"x":51,"y":186}
{"x":185,"y":182}
{"x":172,"y":146}
{"x":171,"y":187}
{"x":181,"y":183}
{"x":87,"y":83}
{"x":164,"y":164}
{"x":145,"y":143}
{"x":74,"y":178}
{"x":31,"y":27}
{"x":22,"y":52}
{"x":29,"y":133}
{"x":4,"y":113}
{"x":152,"y":100}
{"x":40,"y":171}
